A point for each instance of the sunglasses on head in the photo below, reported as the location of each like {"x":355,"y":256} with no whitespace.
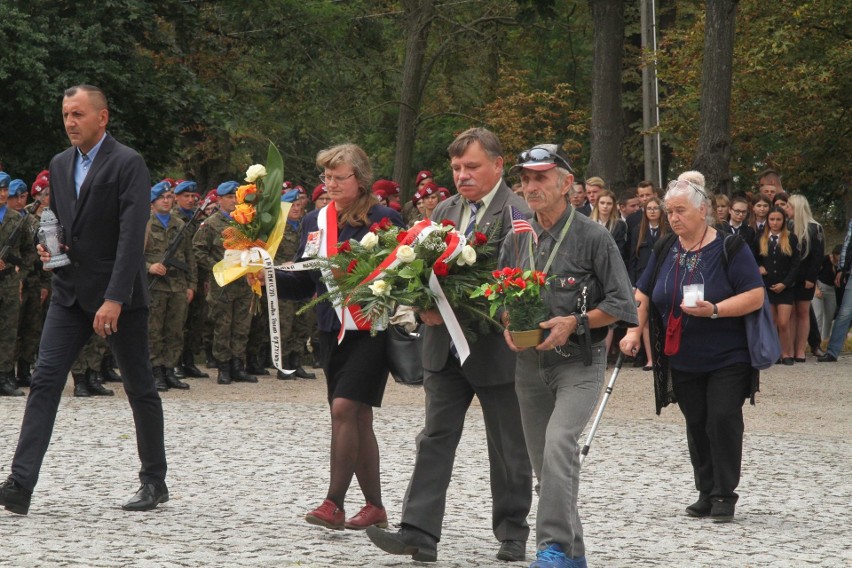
{"x":542,"y":155}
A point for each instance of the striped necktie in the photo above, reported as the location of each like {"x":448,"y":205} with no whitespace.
{"x":471,"y":224}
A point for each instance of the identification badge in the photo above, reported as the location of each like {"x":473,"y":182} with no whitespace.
{"x":312,"y":245}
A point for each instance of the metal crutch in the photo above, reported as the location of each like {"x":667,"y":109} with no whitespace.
{"x":585,"y":450}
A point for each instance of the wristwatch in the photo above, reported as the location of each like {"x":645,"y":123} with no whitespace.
{"x":580,"y":328}
{"x":715,"y":313}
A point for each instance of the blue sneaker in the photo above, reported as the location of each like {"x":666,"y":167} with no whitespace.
{"x":551,"y":557}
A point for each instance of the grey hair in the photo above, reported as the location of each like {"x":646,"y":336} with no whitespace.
{"x":686,"y":186}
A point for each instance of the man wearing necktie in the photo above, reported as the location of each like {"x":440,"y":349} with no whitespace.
{"x":100,"y":194}
{"x":488,"y":373}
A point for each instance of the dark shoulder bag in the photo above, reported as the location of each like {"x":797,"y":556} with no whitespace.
{"x":404,"y":353}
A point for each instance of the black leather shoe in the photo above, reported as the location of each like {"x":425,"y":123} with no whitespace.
{"x":700,"y":508}
{"x":95,"y":385}
{"x":787,"y":361}
{"x":238,"y":372}
{"x":159,"y":373}
{"x":148,"y":497}
{"x":722,"y":511}
{"x":301,"y":373}
{"x":421,"y":546}
{"x":7,"y":385}
{"x":14,"y":497}
{"x":512,"y":550}
{"x":189,"y":368}
{"x":827,"y":358}
{"x":253,"y":367}
{"x":80,"y":389}
{"x":286,"y":376}
{"x":174,"y":381}
{"x":108,"y":370}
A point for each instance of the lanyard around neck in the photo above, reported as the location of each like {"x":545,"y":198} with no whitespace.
{"x":555,"y":246}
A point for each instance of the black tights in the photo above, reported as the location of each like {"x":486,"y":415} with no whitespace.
{"x":354,"y":450}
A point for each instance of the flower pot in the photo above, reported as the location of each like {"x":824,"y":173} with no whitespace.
{"x":527,"y":338}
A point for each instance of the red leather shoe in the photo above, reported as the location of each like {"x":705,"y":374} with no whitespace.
{"x":369,"y":515}
{"x":327,"y":515}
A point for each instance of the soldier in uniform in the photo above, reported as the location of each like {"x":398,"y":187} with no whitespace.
{"x":204,"y":278}
{"x":13,"y":254}
{"x":87,"y":380}
{"x":36,"y":287}
{"x":186,"y":204}
{"x":229,"y":307}
{"x":172,"y":286}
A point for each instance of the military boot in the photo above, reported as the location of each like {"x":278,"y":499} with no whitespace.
{"x":7,"y":384}
{"x":189,"y":368}
{"x":24,"y":375}
{"x":108,"y":370}
{"x":254,"y":366}
{"x":238,"y":372}
{"x":300,"y":371}
{"x":174,"y":381}
{"x":94,"y":383}
{"x":80,"y":389}
{"x":159,"y":373}
{"x":224,"y":376}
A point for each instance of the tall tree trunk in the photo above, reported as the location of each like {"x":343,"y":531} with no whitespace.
{"x":713,"y":156}
{"x":418,"y":20}
{"x":607,"y":131}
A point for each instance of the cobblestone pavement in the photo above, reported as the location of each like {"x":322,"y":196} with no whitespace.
{"x":245,"y":467}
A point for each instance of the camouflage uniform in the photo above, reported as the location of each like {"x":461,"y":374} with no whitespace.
{"x":17,"y":261}
{"x":168,"y":293}
{"x":193,"y":330}
{"x":33,"y":310}
{"x":229,"y":307}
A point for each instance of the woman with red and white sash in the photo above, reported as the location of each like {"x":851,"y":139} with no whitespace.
{"x":355,"y":368}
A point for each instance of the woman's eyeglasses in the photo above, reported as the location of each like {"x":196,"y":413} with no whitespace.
{"x":339,"y":179}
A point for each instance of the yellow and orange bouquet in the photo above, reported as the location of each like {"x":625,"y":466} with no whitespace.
{"x":258,"y":222}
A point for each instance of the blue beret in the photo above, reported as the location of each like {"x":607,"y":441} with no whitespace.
{"x":17,"y":187}
{"x":187,"y":185}
{"x":227,"y":187}
{"x":5,"y":179}
{"x":290,"y":196}
{"x":159,"y":189}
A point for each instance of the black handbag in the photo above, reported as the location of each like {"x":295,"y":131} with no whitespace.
{"x":404,"y":353}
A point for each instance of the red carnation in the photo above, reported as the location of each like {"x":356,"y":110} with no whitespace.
{"x":374,"y":228}
{"x":447,"y":223}
{"x":441,"y":269}
{"x":496,"y":274}
{"x":352,"y":264}
{"x":507,"y":272}
{"x":385,"y":224}
{"x":479,"y":238}
{"x":344,"y":247}
{"x":520,"y":283}
{"x":488,"y":292}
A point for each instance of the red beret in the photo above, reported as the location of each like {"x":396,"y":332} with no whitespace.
{"x":172,"y":183}
{"x":423,"y":174}
{"x":212,"y":196}
{"x":41,"y":183}
{"x":318,"y":191}
{"x":430,"y":188}
{"x":445,"y":193}
{"x":385,"y":188}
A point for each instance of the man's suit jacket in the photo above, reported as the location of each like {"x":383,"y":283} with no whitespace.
{"x":104,"y":227}
{"x":490,"y":361}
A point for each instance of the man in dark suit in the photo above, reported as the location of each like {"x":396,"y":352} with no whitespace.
{"x":488,"y":373}
{"x":100,"y":193}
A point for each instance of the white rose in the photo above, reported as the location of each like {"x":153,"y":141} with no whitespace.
{"x":405,"y":253}
{"x":369,"y":241}
{"x":255,"y":172}
{"x":467,"y":256}
{"x":380,"y":288}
